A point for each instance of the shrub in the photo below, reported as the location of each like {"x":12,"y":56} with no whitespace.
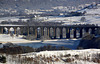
{"x":2,"y":59}
{"x":76,"y":56}
{"x":68,"y":60}
{"x":68,"y":55}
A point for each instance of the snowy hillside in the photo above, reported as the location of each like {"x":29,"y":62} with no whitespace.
{"x":87,"y":56}
{"x":92,"y":16}
{"x":21,"y":7}
{"x":39,"y":4}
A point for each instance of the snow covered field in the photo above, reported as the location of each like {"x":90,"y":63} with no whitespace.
{"x":87,"y":56}
{"x":4,"y":38}
{"x":95,"y":19}
{"x":70,"y":43}
{"x":15,"y":19}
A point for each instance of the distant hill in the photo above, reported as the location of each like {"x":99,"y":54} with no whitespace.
{"x":39,"y":4}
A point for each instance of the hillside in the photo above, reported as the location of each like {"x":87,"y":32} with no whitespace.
{"x":36,"y":4}
{"x":20,"y":6}
{"x":90,"y":42}
{"x":92,"y":16}
{"x":87,"y":56}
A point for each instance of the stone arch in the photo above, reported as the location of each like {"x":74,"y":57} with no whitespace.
{"x":18,"y":31}
{"x":87,"y":30}
{"x":45,"y":31}
{"x":31,"y":30}
{"x":67,"y":32}
{"x":64,"y":32}
{"x":11,"y":30}
{"x":96,"y":31}
{"x":24,"y":30}
{"x":90,"y":31}
{"x":51,"y":32}
{"x":77,"y":32}
{"x":71,"y":33}
{"x":83,"y":32}
{"x":38,"y":32}
{"x":57,"y":32}
{"x":5,"y":30}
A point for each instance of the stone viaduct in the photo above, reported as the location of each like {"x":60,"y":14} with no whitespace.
{"x":54,"y":32}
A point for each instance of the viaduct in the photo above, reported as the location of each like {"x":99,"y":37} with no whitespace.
{"x":54,"y":32}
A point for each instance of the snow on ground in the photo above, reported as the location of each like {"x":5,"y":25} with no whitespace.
{"x":9,"y":25}
{"x":64,"y":52}
{"x":4,"y":38}
{"x":8,"y":18}
{"x":82,"y":53}
{"x":92,"y":17}
{"x":11,"y":19}
{"x":85,"y":56}
{"x":93,"y":11}
{"x":70,"y":43}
